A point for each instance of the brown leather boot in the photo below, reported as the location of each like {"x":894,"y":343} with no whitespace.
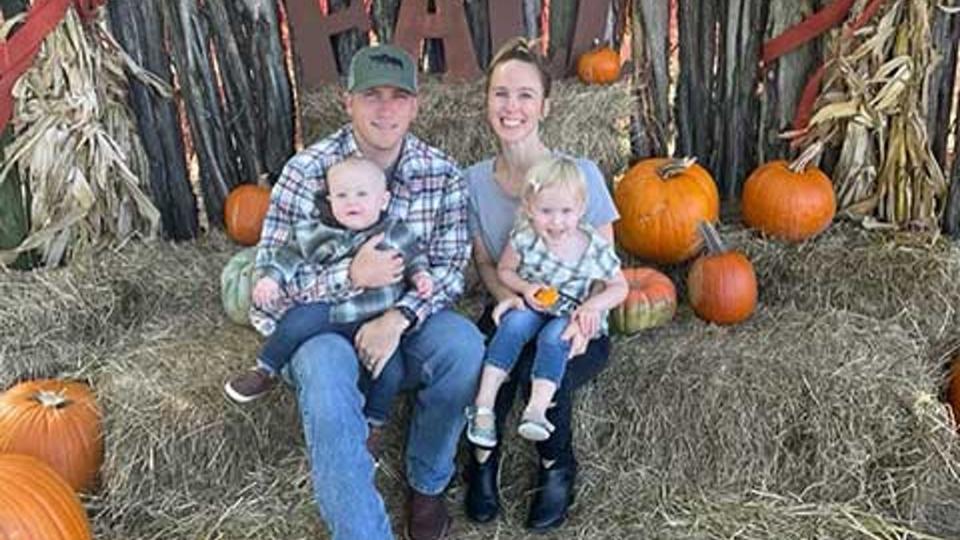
{"x":427,"y":517}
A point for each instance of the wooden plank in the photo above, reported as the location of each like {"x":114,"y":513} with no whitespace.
{"x":138,"y":30}
{"x":783,"y":82}
{"x":650,"y":52}
{"x":258,"y":36}
{"x":384,"y":14}
{"x":696,"y":105}
{"x":739,"y":107}
{"x":190,"y":37}
{"x":236,"y":98}
{"x":945,"y":35}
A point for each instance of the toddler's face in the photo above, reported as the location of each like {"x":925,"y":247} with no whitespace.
{"x":555,"y":212}
{"x":357,"y":195}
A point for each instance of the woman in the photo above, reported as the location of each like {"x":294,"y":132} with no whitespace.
{"x":518,"y":89}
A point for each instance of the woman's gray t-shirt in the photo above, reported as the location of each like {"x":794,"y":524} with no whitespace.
{"x":493,"y":211}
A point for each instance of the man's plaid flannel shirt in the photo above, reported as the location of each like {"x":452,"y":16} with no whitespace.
{"x":428,"y":194}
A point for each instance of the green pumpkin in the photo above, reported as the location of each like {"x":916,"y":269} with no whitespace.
{"x":236,"y":286}
{"x":651,"y":301}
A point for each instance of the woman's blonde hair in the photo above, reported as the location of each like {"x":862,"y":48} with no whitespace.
{"x":556,"y":171}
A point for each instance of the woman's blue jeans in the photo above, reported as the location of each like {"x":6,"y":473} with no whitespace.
{"x":441,"y":363}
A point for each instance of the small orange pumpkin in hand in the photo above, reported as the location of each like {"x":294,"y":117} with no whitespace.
{"x":547,"y":296}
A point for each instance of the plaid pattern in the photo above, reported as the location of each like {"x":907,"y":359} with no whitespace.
{"x":318,"y":243}
{"x":428,"y":194}
{"x":573,"y":280}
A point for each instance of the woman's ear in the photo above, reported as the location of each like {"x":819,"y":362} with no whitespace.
{"x":386,"y":200}
{"x":546,"y":108}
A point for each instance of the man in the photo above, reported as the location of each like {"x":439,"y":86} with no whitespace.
{"x":441,"y":351}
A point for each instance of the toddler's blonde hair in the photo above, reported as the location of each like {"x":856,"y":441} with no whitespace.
{"x":557,"y":171}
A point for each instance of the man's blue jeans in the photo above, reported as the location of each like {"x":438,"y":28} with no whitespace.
{"x":304,"y":321}
{"x":517,"y":328}
{"x":441,"y":361}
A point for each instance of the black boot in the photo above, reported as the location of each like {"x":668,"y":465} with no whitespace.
{"x":552,"y":496}
{"x":483,"y":499}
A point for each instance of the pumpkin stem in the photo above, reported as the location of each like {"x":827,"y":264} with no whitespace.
{"x":51,"y":399}
{"x":711,"y":237}
{"x":803,"y":160}
{"x":675,"y":166}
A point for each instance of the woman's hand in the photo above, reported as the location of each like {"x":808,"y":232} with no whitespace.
{"x":578,"y":342}
{"x":503,"y":306}
{"x":588,"y":320}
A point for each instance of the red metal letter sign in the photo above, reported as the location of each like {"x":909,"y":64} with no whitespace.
{"x":506,"y":21}
{"x":449,"y":23}
{"x":311,"y":37}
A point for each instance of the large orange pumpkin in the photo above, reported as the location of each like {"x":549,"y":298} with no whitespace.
{"x":792,"y":201}
{"x":35,"y":503}
{"x":661,"y":201}
{"x":243,"y":213}
{"x":58,"y":422}
{"x":721,"y":284}
{"x":600,"y":65}
{"x":651,"y":301}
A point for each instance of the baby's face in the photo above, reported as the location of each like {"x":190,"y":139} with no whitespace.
{"x":357,"y":195}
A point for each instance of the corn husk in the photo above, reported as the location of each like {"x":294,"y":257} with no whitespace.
{"x":871,"y":106}
{"x":76,"y":147}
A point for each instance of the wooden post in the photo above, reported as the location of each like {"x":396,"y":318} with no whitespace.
{"x":945,"y":35}
{"x":189,"y":37}
{"x":239,"y":107}
{"x":650,"y":52}
{"x":783,"y":82}
{"x":739,"y":108}
{"x":139,"y":31}
{"x":258,"y":36}
{"x":696,"y":105}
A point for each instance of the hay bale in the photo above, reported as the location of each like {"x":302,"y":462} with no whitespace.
{"x":817,"y":418}
{"x":583,"y":120}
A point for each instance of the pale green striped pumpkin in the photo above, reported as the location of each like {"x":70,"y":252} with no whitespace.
{"x":236,"y":285}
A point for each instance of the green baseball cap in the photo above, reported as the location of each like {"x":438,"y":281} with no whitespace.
{"x":382,"y":65}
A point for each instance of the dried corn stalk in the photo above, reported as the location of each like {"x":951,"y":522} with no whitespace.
{"x":77,"y":148}
{"x":872,"y":106}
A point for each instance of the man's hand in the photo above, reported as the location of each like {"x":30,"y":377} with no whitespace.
{"x":377,"y":340}
{"x":372,"y":268}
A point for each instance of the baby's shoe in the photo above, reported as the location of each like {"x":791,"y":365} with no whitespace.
{"x":534,"y":426}
{"x":481,"y":426}
{"x":249,"y":385}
